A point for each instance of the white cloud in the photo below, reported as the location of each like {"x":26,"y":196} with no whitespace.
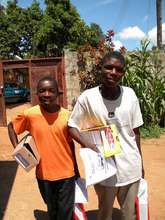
{"x":118,"y":44}
{"x":152,"y":34}
{"x":131,"y":33}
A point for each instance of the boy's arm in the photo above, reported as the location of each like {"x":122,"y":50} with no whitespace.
{"x":137,"y":136}
{"x":12,"y":135}
{"x":76,"y":135}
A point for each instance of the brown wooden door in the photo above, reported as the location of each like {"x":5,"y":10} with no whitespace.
{"x":41,"y":68}
{"x":3,"y":121}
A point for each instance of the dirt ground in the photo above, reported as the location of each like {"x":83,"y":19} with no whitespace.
{"x":20,"y":199}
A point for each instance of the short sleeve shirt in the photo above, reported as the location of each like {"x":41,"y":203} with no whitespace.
{"x":52,"y":139}
{"x":91,"y":110}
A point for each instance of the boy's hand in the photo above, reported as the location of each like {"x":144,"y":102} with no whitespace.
{"x":92,"y":147}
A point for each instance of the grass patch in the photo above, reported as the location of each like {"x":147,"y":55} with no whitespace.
{"x":151,"y":132}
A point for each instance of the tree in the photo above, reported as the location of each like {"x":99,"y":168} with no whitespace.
{"x":59,"y":22}
{"x":3,"y":34}
{"x":62,"y":27}
{"x":9,"y":33}
{"x":96,"y":34}
{"x":18,"y":30}
{"x":33,"y":17}
{"x":33,"y":32}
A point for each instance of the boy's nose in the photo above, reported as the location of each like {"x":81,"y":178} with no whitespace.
{"x":114,"y":70}
{"x":47,"y":93}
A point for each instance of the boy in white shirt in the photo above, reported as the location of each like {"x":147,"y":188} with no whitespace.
{"x":93,"y":108}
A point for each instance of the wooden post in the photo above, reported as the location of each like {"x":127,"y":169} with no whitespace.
{"x":159,"y":23}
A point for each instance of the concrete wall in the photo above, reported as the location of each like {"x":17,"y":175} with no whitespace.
{"x":71,"y":77}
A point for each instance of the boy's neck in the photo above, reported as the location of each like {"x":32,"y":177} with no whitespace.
{"x":51,"y":109}
{"x":110,"y":93}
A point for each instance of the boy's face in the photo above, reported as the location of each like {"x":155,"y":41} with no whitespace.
{"x":112,"y":72}
{"x":47,"y":93}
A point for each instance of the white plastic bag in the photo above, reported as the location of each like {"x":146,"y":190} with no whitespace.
{"x":142,"y":208}
{"x":81,"y":195}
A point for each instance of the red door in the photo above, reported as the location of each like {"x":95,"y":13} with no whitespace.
{"x":52,"y":67}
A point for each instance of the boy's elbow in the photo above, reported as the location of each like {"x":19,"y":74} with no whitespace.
{"x":10,"y":127}
{"x":73,"y":132}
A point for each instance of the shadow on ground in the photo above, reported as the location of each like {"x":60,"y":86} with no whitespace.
{"x":92,"y":214}
{"x":40,"y":215}
{"x":8,"y":171}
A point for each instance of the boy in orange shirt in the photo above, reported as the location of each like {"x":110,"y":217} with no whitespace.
{"x":47,"y":123}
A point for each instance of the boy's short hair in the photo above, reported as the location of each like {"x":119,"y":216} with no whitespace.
{"x":51,"y":79}
{"x":113,"y":54}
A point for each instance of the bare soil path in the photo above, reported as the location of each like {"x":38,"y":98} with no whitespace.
{"x":20,"y":198}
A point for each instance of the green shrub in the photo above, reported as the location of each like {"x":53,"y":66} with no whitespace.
{"x":151,"y":132}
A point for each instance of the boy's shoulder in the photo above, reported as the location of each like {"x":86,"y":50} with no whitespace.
{"x":64,"y":110}
{"x":128,"y":91}
{"x":90,"y":92}
{"x":32,"y":110}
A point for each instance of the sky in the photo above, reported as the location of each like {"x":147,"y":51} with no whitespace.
{"x":131,"y":20}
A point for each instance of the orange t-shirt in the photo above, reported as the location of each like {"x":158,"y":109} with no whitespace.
{"x":52,"y":139}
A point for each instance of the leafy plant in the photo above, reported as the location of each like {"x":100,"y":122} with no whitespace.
{"x":151,"y":132}
{"x":143,"y":74}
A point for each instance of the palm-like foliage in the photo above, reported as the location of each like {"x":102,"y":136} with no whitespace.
{"x":143,"y":74}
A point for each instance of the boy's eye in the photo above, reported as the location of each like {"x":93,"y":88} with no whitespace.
{"x":120,"y":70}
{"x":41,"y":90}
{"x":110,"y":67}
{"x":52,"y":90}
